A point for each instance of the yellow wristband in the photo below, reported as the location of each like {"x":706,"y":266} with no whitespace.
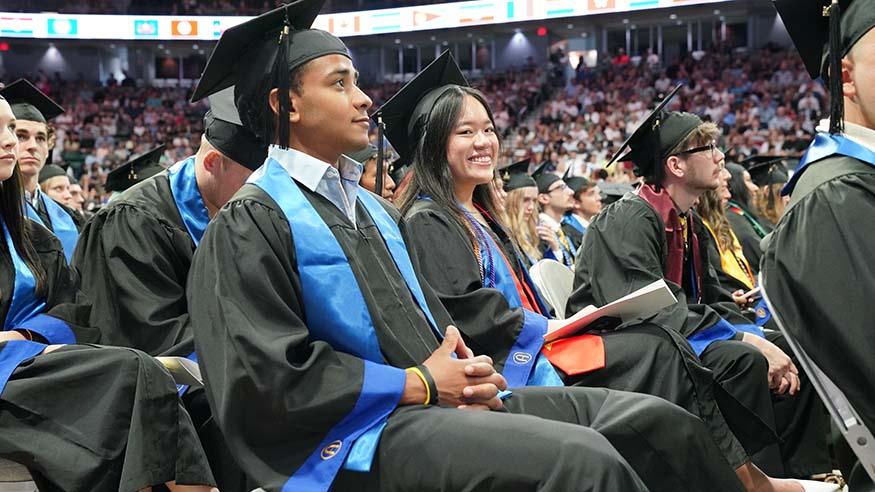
{"x":415,"y":370}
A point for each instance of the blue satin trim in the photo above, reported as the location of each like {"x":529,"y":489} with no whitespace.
{"x":752,"y":329}
{"x":826,"y":145}
{"x":54,"y":330}
{"x":25,"y":305}
{"x":722,"y":330}
{"x":187,"y":196}
{"x":62,"y":225}
{"x":525,"y":365}
{"x":764,"y":314}
{"x":336,"y":312}
{"x":12,"y":354}
{"x":574,"y":222}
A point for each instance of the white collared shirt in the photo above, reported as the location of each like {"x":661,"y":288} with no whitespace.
{"x":858,"y":133}
{"x":339,"y":186}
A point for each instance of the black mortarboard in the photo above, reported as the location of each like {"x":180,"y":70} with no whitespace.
{"x":137,"y":169}
{"x":29,"y":103}
{"x":656,"y":136}
{"x":398,"y":170}
{"x":767,"y":169}
{"x":259,"y":55}
{"x":364,"y":155}
{"x":516,"y":175}
{"x":543,"y":178}
{"x":405,"y":114}
{"x":824,"y":31}
{"x":224,"y":131}
{"x":50,"y":171}
{"x":611,"y":192}
{"x":574,"y":182}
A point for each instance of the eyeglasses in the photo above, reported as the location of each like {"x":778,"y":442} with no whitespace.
{"x":562,"y":187}
{"x":711,"y":147}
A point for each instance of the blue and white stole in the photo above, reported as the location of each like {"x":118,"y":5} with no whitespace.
{"x":62,"y":225}
{"x":827,"y":145}
{"x":190,"y":204}
{"x":25,"y":313}
{"x":525,"y":365}
{"x":574,"y":222}
{"x":335,"y":312}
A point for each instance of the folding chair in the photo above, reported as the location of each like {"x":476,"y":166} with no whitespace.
{"x":554,"y":281}
{"x":184,"y":371}
{"x":847,"y":419}
{"x":15,"y":477}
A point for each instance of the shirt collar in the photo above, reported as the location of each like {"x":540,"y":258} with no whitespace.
{"x":550,"y":221}
{"x":308,"y":170}
{"x":858,"y":133}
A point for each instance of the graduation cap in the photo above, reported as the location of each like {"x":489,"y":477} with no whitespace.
{"x":224,"y":131}
{"x":405,"y":114}
{"x":543,"y":178}
{"x":824,"y":31}
{"x":516,"y":176}
{"x":50,"y":171}
{"x":259,"y":55}
{"x":364,"y":155}
{"x":574,"y":182}
{"x":656,"y":136}
{"x":398,"y":170}
{"x":611,"y":192}
{"x":767,"y":169}
{"x":139,"y":168}
{"x":29,"y":103}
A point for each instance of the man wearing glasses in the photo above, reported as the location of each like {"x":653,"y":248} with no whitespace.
{"x":652,"y":234}
{"x":555,"y":199}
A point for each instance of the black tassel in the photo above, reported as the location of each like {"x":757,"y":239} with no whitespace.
{"x":283,"y":83}
{"x":836,"y":94}
{"x":378,"y":185}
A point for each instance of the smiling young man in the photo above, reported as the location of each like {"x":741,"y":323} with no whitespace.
{"x":327,"y":364}
{"x":33,"y":110}
{"x":652,"y":234}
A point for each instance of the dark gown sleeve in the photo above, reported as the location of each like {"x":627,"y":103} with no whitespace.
{"x":819,"y":273}
{"x":65,"y":319}
{"x":623,"y":252}
{"x":134,"y":274}
{"x":276,"y":393}
{"x":448,"y":267}
{"x":749,"y":239}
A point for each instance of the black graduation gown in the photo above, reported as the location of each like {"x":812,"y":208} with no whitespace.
{"x":114,"y":413}
{"x":134,"y":256}
{"x":624,"y":250}
{"x":748,"y":237}
{"x":276,"y":392}
{"x":819,"y":274}
{"x":644,"y":359}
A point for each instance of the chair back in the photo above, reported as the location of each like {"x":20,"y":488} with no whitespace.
{"x":554,"y":281}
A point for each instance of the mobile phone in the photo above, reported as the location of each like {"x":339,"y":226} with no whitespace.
{"x":754,"y":293}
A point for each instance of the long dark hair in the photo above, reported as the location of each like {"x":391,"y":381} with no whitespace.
{"x":737,"y":188}
{"x":12,"y":213}
{"x":431,"y":169}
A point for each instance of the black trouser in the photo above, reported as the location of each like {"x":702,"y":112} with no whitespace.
{"x":798,"y":420}
{"x":649,"y":359}
{"x":550,"y":439}
{"x":91,"y":419}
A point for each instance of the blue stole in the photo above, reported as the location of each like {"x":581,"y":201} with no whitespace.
{"x":62,"y":225}
{"x":188,"y":200}
{"x":827,"y":145}
{"x":25,"y":312}
{"x":574,"y":222}
{"x":335,"y":312}
{"x":187,"y":197}
{"x":525,"y":365}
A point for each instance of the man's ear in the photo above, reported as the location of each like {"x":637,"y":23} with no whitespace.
{"x":543,"y":198}
{"x":675,"y":166}
{"x":213,"y":161}
{"x":849,"y":87}
{"x":273,"y":100}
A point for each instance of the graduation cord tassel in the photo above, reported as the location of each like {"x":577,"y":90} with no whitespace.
{"x":378,"y":185}
{"x":836,"y":95}
{"x":283,"y":84}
